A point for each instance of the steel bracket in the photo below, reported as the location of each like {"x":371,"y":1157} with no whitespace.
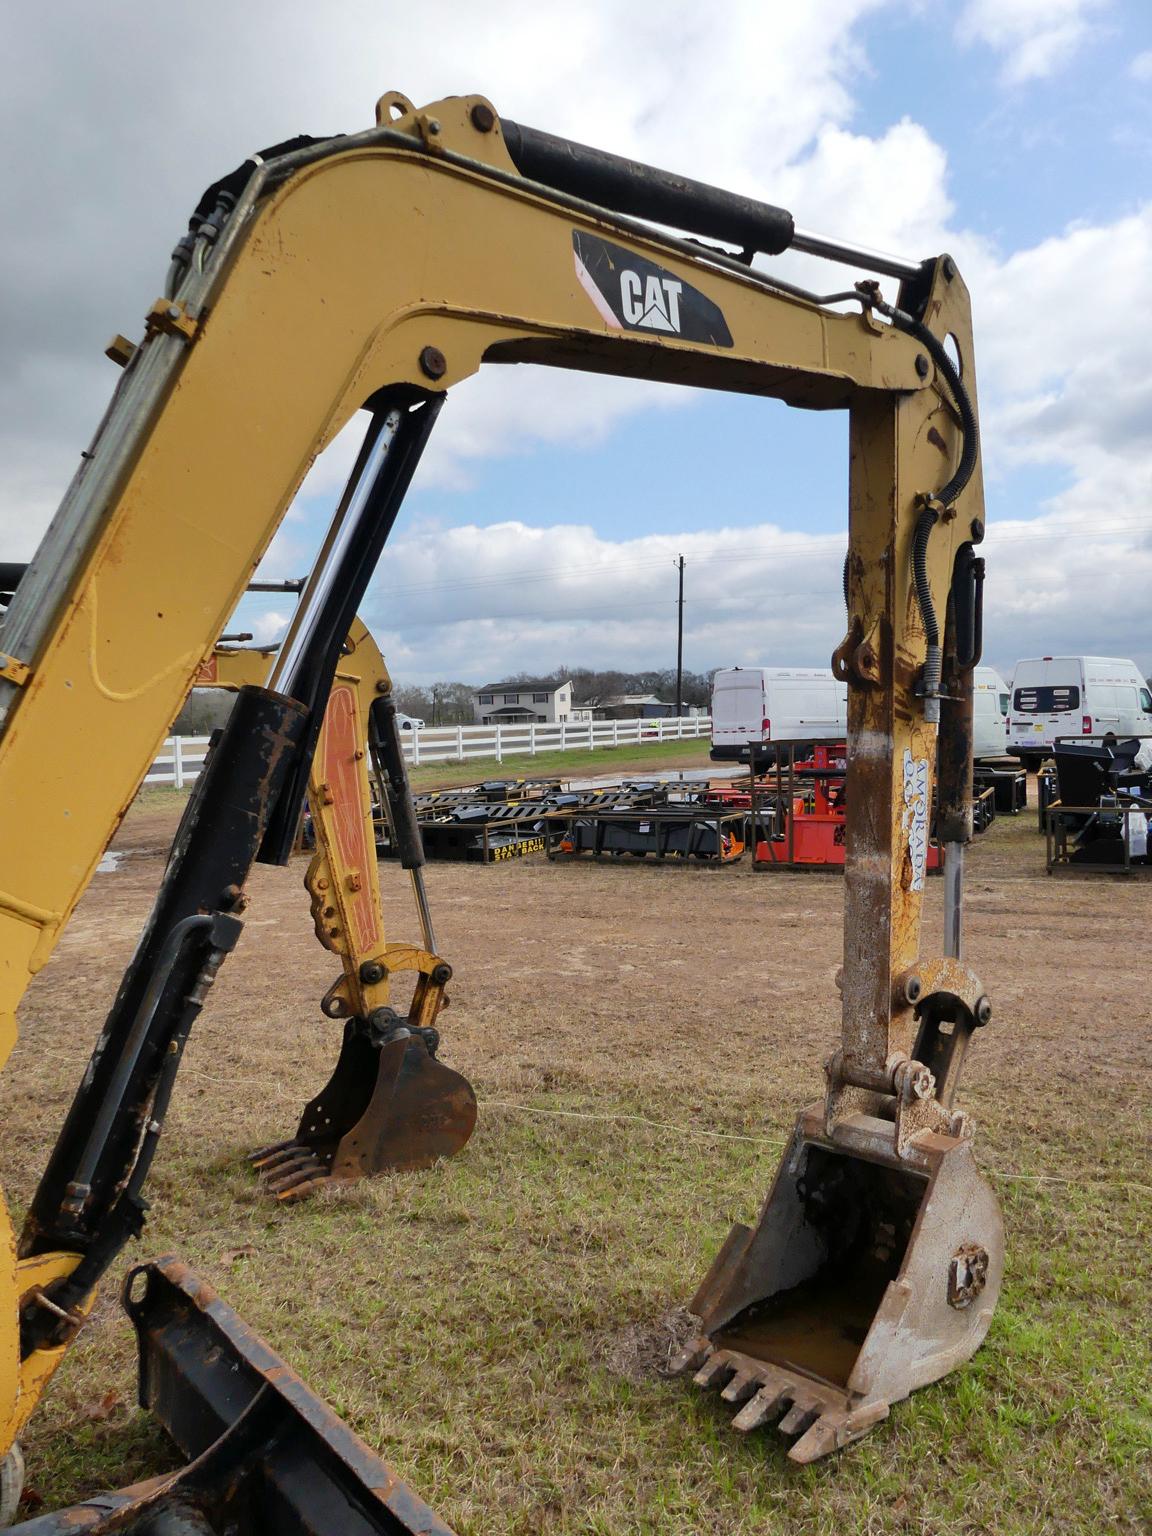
{"x":14,"y":671}
{"x":857,"y":658}
{"x":170,"y":317}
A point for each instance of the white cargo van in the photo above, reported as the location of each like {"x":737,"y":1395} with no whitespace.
{"x":1074,"y":696}
{"x":989,"y":714}
{"x":755,"y":707}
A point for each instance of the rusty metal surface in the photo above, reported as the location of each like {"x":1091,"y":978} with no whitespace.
{"x":389,"y":1105}
{"x":869,"y":1274}
{"x":265,"y":1454}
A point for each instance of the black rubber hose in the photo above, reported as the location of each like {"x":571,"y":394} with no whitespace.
{"x":934,"y":660}
{"x":945,"y":496}
{"x":969,"y":427}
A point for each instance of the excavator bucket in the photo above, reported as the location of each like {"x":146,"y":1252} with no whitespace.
{"x":390,"y":1105}
{"x":265,"y":1454}
{"x":869,"y":1274}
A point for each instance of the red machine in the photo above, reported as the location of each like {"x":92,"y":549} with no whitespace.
{"x":797,"y":812}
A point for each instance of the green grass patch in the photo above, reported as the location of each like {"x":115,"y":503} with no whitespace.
{"x":497,"y":1328}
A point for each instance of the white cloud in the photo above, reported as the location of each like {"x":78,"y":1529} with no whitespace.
{"x":507,"y":597}
{"x":1035,"y":37}
{"x":1062,"y":339}
{"x":1064,"y":336}
{"x":105,"y":189}
{"x":763,"y":103}
{"x":1141,"y":66}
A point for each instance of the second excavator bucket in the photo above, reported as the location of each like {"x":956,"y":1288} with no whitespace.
{"x":265,"y":1454}
{"x":869,"y":1274}
{"x":390,"y":1105}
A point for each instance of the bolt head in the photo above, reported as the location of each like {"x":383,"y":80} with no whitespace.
{"x":983,"y":1010}
{"x":922,"y":366}
{"x":483,"y":117}
{"x":923,"y":1083}
{"x":433,"y":363}
{"x":977,"y":531}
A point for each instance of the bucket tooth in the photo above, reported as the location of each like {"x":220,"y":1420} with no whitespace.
{"x":265,"y":1154}
{"x":306,"y":1169}
{"x":766,"y":1405}
{"x":288,"y":1168}
{"x":742,"y":1386}
{"x":803,"y":1413}
{"x":301,"y":1191}
{"x":286,"y":1158}
{"x":690,"y":1358}
{"x":715,"y":1369}
{"x":833,"y":1430}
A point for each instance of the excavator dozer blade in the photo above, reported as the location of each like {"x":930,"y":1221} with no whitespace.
{"x":387,"y":1108}
{"x":265,"y":1454}
{"x":868,"y":1275}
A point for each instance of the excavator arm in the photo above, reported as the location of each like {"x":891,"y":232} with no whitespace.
{"x":379,"y":271}
{"x":390,"y":1104}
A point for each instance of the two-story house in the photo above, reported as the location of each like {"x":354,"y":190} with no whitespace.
{"x":544,"y":702}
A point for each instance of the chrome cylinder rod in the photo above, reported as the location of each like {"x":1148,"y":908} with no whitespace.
{"x":354,"y":504}
{"x":812,"y":244}
{"x":422,"y":907}
{"x":953,"y":894}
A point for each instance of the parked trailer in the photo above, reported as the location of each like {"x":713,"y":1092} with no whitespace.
{"x":685,"y":831}
{"x":490,"y":831}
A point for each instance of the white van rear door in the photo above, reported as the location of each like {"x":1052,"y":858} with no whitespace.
{"x":820,"y":715}
{"x":1047,"y":702}
{"x":737,"y":707}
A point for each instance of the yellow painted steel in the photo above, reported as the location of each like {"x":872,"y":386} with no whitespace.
{"x":346,"y":903}
{"x":337,"y":282}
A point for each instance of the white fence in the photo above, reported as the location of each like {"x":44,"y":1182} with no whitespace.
{"x":183,"y":756}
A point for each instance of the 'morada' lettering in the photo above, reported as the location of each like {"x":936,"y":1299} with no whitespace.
{"x":653,"y":302}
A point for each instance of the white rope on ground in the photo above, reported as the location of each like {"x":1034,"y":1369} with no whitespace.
{"x":656,"y":1125}
{"x":700,"y":1133}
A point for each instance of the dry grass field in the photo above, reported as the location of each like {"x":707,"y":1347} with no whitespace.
{"x":640,"y":1038}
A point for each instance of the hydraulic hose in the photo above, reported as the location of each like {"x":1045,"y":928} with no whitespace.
{"x":940,"y":500}
{"x":934,"y":658}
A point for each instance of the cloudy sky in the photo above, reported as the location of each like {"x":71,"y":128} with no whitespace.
{"x":545,"y":521}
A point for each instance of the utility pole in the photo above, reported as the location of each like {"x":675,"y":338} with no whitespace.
{"x":680,"y":644}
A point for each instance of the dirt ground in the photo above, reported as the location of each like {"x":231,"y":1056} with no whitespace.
{"x":668,"y":959}
{"x":698,"y":998}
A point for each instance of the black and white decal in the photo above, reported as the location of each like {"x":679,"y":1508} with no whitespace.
{"x":634,"y":294}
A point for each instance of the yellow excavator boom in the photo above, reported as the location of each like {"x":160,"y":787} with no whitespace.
{"x":378,"y":272}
